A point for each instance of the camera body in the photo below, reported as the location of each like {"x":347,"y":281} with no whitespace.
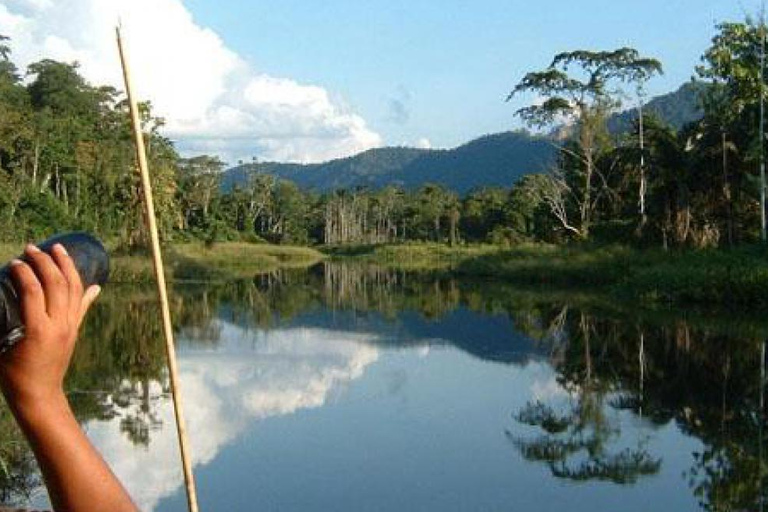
{"x":92,"y":263}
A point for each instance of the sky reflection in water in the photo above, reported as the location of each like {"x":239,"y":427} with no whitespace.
{"x":309,"y":417}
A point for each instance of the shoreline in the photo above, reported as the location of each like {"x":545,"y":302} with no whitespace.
{"x":733,"y":278}
{"x":723,"y":278}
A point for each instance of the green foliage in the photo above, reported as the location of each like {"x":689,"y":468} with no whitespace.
{"x":422,"y":256}
{"x":230,"y":261}
{"x":584,"y":96}
{"x":67,"y":162}
{"x":735,"y":278}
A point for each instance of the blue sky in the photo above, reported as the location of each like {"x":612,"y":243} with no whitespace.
{"x":307,"y":81}
{"x":439,"y":70}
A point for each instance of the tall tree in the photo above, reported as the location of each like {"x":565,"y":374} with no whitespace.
{"x":735,"y":67}
{"x":200,"y":179}
{"x":583,"y":98}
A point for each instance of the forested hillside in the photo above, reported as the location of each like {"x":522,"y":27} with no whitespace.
{"x":677,"y":109}
{"x":494,"y":160}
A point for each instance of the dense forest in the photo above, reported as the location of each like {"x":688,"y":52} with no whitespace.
{"x":67,"y":162}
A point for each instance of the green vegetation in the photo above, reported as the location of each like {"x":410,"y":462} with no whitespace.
{"x":665,"y":189}
{"x":678,"y":109}
{"x":66,"y":162}
{"x":236,"y":260}
{"x":196,"y":261}
{"x":656,"y":278}
{"x":8,"y":252}
{"x":415,"y":257}
{"x":706,"y":278}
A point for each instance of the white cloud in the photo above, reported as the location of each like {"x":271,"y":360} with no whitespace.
{"x":213,"y":101}
{"x":424,"y":143}
{"x":546,"y":390}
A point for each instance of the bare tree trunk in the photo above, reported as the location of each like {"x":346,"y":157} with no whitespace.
{"x":57,"y":181}
{"x":586,"y":204}
{"x":65,"y":195}
{"x":643,"y":186}
{"x":454,"y":226}
{"x":36,"y":163}
{"x":727,"y":190}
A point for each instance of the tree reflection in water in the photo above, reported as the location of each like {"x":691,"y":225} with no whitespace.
{"x":707,"y":376}
{"x":575,"y":444}
{"x":701,"y":372}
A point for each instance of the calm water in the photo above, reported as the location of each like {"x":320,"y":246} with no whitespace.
{"x":357,"y":389}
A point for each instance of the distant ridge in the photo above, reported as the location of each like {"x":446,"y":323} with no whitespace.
{"x":677,"y":108}
{"x":492,"y":160}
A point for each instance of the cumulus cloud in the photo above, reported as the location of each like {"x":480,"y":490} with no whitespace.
{"x":212,"y":100}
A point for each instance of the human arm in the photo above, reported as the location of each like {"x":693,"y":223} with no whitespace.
{"x":53,"y":305}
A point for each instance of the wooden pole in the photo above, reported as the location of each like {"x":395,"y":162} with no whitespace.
{"x":763,"y":225}
{"x":157,"y":256}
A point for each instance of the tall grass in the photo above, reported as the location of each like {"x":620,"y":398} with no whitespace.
{"x":8,"y":252}
{"x":197,"y":261}
{"x":234,"y":260}
{"x":736,"y":277}
{"x":412,"y":256}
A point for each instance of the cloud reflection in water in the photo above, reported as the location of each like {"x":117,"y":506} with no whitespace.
{"x":250,"y":376}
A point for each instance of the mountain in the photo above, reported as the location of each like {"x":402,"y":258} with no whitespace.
{"x":493,"y":160}
{"x":498,"y":159}
{"x":677,"y":108}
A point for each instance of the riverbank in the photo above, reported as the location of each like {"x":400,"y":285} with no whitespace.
{"x":199,"y":262}
{"x":736,"y":278}
{"x":412,"y":257}
{"x":732,"y":278}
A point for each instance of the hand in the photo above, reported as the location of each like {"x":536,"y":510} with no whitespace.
{"x":53,"y":306}
{"x":32,"y":378}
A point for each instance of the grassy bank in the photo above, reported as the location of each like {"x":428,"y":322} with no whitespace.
{"x":423,"y":256}
{"x":197,"y":262}
{"x":737,"y":278}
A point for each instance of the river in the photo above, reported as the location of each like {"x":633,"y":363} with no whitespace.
{"x":356,"y":388}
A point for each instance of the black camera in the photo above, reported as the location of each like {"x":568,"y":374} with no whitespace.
{"x":91,"y":260}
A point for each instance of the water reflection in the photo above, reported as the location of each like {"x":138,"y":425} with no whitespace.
{"x":253,"y":376}
{"x":286,"y":342}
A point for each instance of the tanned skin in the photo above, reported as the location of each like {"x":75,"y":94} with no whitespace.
{"x":53,"y":305}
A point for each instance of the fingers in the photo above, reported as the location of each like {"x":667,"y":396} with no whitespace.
{"x":50,"y":276}
{"x":91,"y":294}
{"x":68,"y":269}
{"x":50,"y":286}
{"x":30,"y":292}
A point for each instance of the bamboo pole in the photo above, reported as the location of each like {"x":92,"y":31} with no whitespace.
{"x":761,"y":124}
{"x":157,"y":257}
